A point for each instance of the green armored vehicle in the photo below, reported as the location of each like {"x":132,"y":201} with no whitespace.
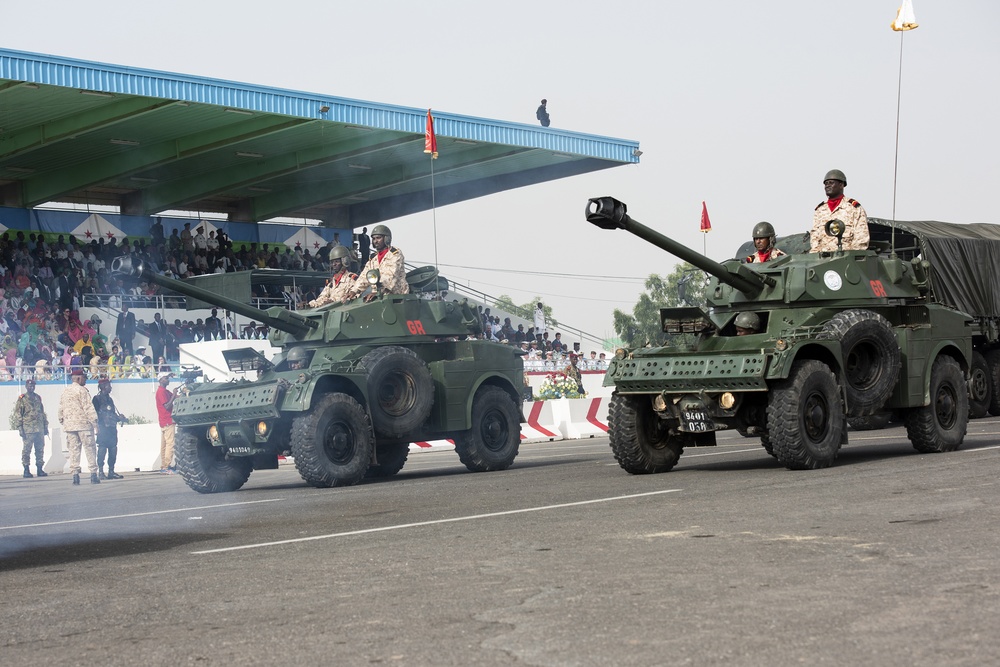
{"x":827,"y":336}
{"x":353,"y":386}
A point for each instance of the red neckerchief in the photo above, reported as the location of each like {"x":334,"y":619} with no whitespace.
{"x":336,"y":279}
{"x":764,"y":256}
{"x":382,"y":254}
{"x":834,"y":203}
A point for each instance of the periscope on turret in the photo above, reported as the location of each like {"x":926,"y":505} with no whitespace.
{"x":352,"y":387}
{"x":843,"y":335}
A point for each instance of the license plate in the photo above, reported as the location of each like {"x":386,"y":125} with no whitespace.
{"x":695,"y":421}
{"x":240,"y":450}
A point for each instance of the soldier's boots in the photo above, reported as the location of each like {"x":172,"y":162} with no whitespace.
{"x":113,"y":475}
{"x":101,"y":474}
{"x":94,"y":479}
{"x":39,"y":472}
{"x":27,"y":473}
{"x":76,"y":479}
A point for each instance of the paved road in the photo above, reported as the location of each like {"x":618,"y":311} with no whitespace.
{"x":888,"y":558}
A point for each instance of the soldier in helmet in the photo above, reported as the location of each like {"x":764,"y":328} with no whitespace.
{"x":297,"y":357}
{"x":836,"y":207}
{"x":763,"y":241}
{"x":389,"y":262}
{"x":747,"y":323}
{"x":340,"y":282}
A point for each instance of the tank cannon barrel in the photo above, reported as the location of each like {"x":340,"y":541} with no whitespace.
{"x":609,"y":213}
{"x":278,"y":318}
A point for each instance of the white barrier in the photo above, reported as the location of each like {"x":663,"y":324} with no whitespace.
{"x":432,"y":446}
{"x":541,"y":425}
{"x":582,"y":417}
{"x":138,"y":449}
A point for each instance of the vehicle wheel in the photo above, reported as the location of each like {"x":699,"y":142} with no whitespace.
{"x":765,"y":441}
{"x":332,"y":443}
{"x":980,"y":387}
{"x":640,"y":440}
{"x":205,"y":468}
{"x":993,"y":363}
{"x":805,"y":417}
{"x":400,"y":390}
{"x":391,"y":459}
{"x":873,"y":422}
{"x":495,"y":436}
{"x":941,"y":426}
{"x":871,"y":358}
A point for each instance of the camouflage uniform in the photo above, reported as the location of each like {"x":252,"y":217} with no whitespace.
{"x":78,"y":419}
{"x":31,"y":421}
{"x":393,"y":274}
{"x":848,"y":211}
{"x":335,"y":291}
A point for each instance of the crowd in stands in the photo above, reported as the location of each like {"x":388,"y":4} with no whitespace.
{"x":541,"y":353}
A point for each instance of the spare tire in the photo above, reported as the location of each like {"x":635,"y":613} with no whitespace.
{"x":400,"y":390}
{"x":871,"y":359}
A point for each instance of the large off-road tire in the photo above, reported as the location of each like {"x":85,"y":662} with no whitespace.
{"x":873,"y":422}
{"x":993,"y":363}
{"x":495,"y":437}
{"x":400,"y":390}
{"x":205,"y":468}
{"x":332,"y":443}
{"x":941,"y":426}
{"x":980,"y":387}
{"x":805,"y":417}
{"x":765,"y":441}
{"x":640,"y":440}
{"x":871,"y":358}
{"x":391,"y":459}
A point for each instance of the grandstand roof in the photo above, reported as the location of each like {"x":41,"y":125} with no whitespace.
{"x":149,"y":141}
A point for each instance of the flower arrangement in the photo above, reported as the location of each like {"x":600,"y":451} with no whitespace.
{"x":558,"y":385}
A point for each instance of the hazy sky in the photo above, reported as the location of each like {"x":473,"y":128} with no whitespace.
{"x":745,"y":105}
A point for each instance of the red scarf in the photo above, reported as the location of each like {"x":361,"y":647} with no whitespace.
{"x":834,"y":203}
{"x":382,"y":254}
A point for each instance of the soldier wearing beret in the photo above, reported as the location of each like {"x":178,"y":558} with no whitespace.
{"x":33,"y":425}
{"x":108,"y":419}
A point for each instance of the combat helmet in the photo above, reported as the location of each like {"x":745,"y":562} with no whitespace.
{"x":835,"y":175}
{"x":297,"y":358}
{"x":383,"y":231}
{"x":748,"y":320}
{"x":342,"y":253}
{"x":764,"y":230}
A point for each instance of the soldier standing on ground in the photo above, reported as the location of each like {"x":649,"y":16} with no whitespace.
{"x":836,"y":207}
{"x":107,"y":429}
{"x":78,"y":419}
{"x":763,"y":242}
{"x":390,"y":264}
{"x":340,"y":282}
{"x":33,"y":425}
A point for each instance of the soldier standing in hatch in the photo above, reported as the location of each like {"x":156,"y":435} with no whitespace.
{"x":341,"y":281}
{"x":390,"y":264}
{"x":33,"y":425}
{"x":836,"y":207}
{"x":763,"y":242}
{"x":78,"y":419}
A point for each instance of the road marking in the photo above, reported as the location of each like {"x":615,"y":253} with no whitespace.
{"x":127,"y":516}
{"x":979,"y":449}
{"x":434,"y":522}
{"x":732,"y":451}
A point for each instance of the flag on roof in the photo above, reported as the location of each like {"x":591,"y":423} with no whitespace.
{"x":706,"y":224}
{"x":97,"y":227}
{"x":905,"y":20}
{"x":430,"y":139}
{"x":306,"y":239}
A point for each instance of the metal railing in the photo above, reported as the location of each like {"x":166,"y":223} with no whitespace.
{"x":49,"y":372}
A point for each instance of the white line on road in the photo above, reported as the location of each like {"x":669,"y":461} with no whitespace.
{"x":434,"y":522}
{"x":126,"y":516}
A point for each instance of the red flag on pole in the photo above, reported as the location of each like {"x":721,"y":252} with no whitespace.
{"x":706,"y":224}
{"x":430,"y":140}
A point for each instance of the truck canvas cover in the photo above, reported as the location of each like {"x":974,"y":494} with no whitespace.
{"x":964,"y":259}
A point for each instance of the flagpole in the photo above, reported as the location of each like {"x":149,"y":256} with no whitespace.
{"x":434,"y":215}
{"x":895,"y":160}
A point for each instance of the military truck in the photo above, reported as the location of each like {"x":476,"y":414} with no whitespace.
{"x":848,"y":333}
{"x":352,"y":387}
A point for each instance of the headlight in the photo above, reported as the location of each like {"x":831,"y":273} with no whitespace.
{"x":659,"y":404}
{"x":620,"y":353}
{"x":372,"y":276}
{"x":727,"y":400}
{"x":213,"y":432}
{"x":262,"y":428}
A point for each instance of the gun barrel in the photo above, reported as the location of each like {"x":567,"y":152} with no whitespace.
{"x":278,"y":318}
{"x":609,"y":213}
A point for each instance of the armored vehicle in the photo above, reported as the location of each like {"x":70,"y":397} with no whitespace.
{"x":826,"y":336}
{"x":353,"y":385}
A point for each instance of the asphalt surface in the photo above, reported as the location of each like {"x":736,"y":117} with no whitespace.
{"x":887,"y":558}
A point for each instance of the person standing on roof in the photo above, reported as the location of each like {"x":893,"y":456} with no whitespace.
{"x":340,"y":282}
{"x":763,"y":242}
{"x":836,"y":207}
{"x":389,"y":263}
{"x":542,"y":114}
